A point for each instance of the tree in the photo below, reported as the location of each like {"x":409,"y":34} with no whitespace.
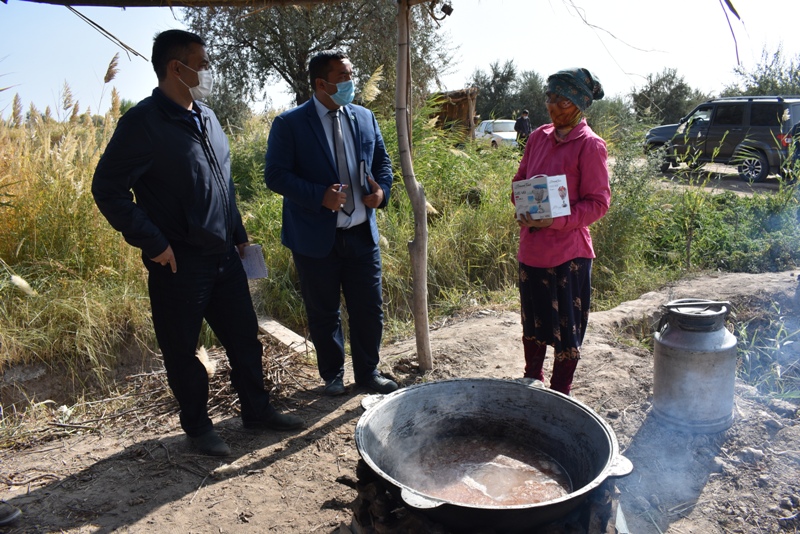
{"x":665,"y":98}
{"x":125,"y":105}
{"x":773,"y":75}
{"x":503,"y":93}
{"x":252,"y":49}
{"x":531,"y":96}
{"x":430,"y":54}
{"x":228,"y":105}
{"x":497,"y":91}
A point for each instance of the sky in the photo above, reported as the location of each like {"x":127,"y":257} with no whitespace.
{"x":620,"y":41}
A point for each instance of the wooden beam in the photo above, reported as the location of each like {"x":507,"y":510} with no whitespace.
{"x":290,"y":339}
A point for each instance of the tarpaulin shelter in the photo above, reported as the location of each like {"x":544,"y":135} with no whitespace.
{"x":418,"y":246}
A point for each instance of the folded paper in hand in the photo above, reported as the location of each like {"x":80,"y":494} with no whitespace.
{"x":253,"y":262}
{"x":542,"y":196}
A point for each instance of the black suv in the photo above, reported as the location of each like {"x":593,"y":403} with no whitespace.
{"x":751,"y":132}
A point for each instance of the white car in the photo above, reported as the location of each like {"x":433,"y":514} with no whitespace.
{"x":498,"y":132}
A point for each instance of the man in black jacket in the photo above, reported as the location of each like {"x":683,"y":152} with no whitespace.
{"x":170,"y":151}
{"x":523,"y":128}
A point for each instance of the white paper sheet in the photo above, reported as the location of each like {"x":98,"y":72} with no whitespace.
{"x":253,"y":262}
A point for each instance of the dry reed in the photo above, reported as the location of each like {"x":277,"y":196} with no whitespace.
{"x":144,"y":400}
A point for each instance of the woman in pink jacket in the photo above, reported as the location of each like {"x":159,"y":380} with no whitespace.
{"x":555,"y":255}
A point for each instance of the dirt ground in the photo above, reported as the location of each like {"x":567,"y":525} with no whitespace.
{"x":142,"y":477}
{"x":717,"y":178}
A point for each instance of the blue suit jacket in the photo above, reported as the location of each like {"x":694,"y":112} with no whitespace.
{"x":300,"y":166}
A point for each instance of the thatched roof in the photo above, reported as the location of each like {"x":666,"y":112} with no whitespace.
{"x":178,"y":3}
{"x":189,"y":3}
{"x":458,"y":95}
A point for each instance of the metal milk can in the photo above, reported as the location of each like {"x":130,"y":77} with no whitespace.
{"x":694,"y":366}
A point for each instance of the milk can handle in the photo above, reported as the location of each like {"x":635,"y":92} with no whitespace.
{"x":687,"y":303}
{"x":696,"y":303}
{"x":662,"y":322}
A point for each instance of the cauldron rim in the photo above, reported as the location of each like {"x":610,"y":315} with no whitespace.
{"x":576,"y":496}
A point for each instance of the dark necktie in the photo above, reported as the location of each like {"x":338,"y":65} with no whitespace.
{"x":341,"y":161}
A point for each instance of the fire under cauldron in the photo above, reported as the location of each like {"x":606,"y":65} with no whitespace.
{"x":399,"y":433}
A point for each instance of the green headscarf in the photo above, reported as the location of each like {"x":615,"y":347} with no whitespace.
{"x":579,"y":86}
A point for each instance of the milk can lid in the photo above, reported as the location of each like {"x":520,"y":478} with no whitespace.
{"x":697,"y":306}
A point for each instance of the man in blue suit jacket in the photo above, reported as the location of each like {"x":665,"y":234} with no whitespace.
{"x":329,"y":202}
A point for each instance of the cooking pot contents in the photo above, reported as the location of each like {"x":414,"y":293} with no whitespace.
{"x":487,"y":436}
{"x":486,"y":472}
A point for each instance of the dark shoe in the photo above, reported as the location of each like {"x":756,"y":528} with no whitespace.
{"x":210,"y":444}
{"x":380,"y":384}
{"x":334,"y":387}
{"x":8,"y":514}
{"x":275,"y":421}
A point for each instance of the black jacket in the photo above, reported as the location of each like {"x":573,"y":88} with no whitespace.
{"x":523,"y":126}
{"x":180,"y":175}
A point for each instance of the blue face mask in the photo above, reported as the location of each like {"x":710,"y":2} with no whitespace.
{"x":345,"y":92}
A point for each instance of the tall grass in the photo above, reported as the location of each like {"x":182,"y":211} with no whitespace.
{"x":88,"y":282}
{"x":767,"y":338}
{"x":471,"y":235}
{"x":628,"y":262}
{"x":653,"y":234}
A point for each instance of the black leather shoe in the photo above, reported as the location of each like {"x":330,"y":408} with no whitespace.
{"x":210,"y":444}
{"x":379,"y":384}
{"x":274,"y":420}
{"x":334,"y":387}
{"x":8,"y":514}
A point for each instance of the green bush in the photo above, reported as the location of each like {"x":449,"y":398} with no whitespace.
{"x":247,"y":155}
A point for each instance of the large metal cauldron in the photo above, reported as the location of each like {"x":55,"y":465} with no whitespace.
{"x":394,"y":429}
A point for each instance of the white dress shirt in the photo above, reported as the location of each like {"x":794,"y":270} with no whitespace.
{"x":359,"y":214}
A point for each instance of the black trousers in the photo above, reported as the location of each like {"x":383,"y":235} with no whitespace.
{"x":213,"y":288}
{"x":352,"y":269}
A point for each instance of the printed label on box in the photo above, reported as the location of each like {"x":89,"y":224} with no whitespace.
{"x":542,"y":197}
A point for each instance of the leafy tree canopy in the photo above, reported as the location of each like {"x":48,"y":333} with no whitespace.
{"x":772,"y":75}
{"x":503,"y":93}
{"x":531,"y":96}
{"x":253,"y":48}
{"x":665,"y":98}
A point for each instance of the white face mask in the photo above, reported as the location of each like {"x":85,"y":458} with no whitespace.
{"x":205,"y":83}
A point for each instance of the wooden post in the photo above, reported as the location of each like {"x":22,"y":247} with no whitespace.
{"x":417,"y":247}
{"x":472,"y":95}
